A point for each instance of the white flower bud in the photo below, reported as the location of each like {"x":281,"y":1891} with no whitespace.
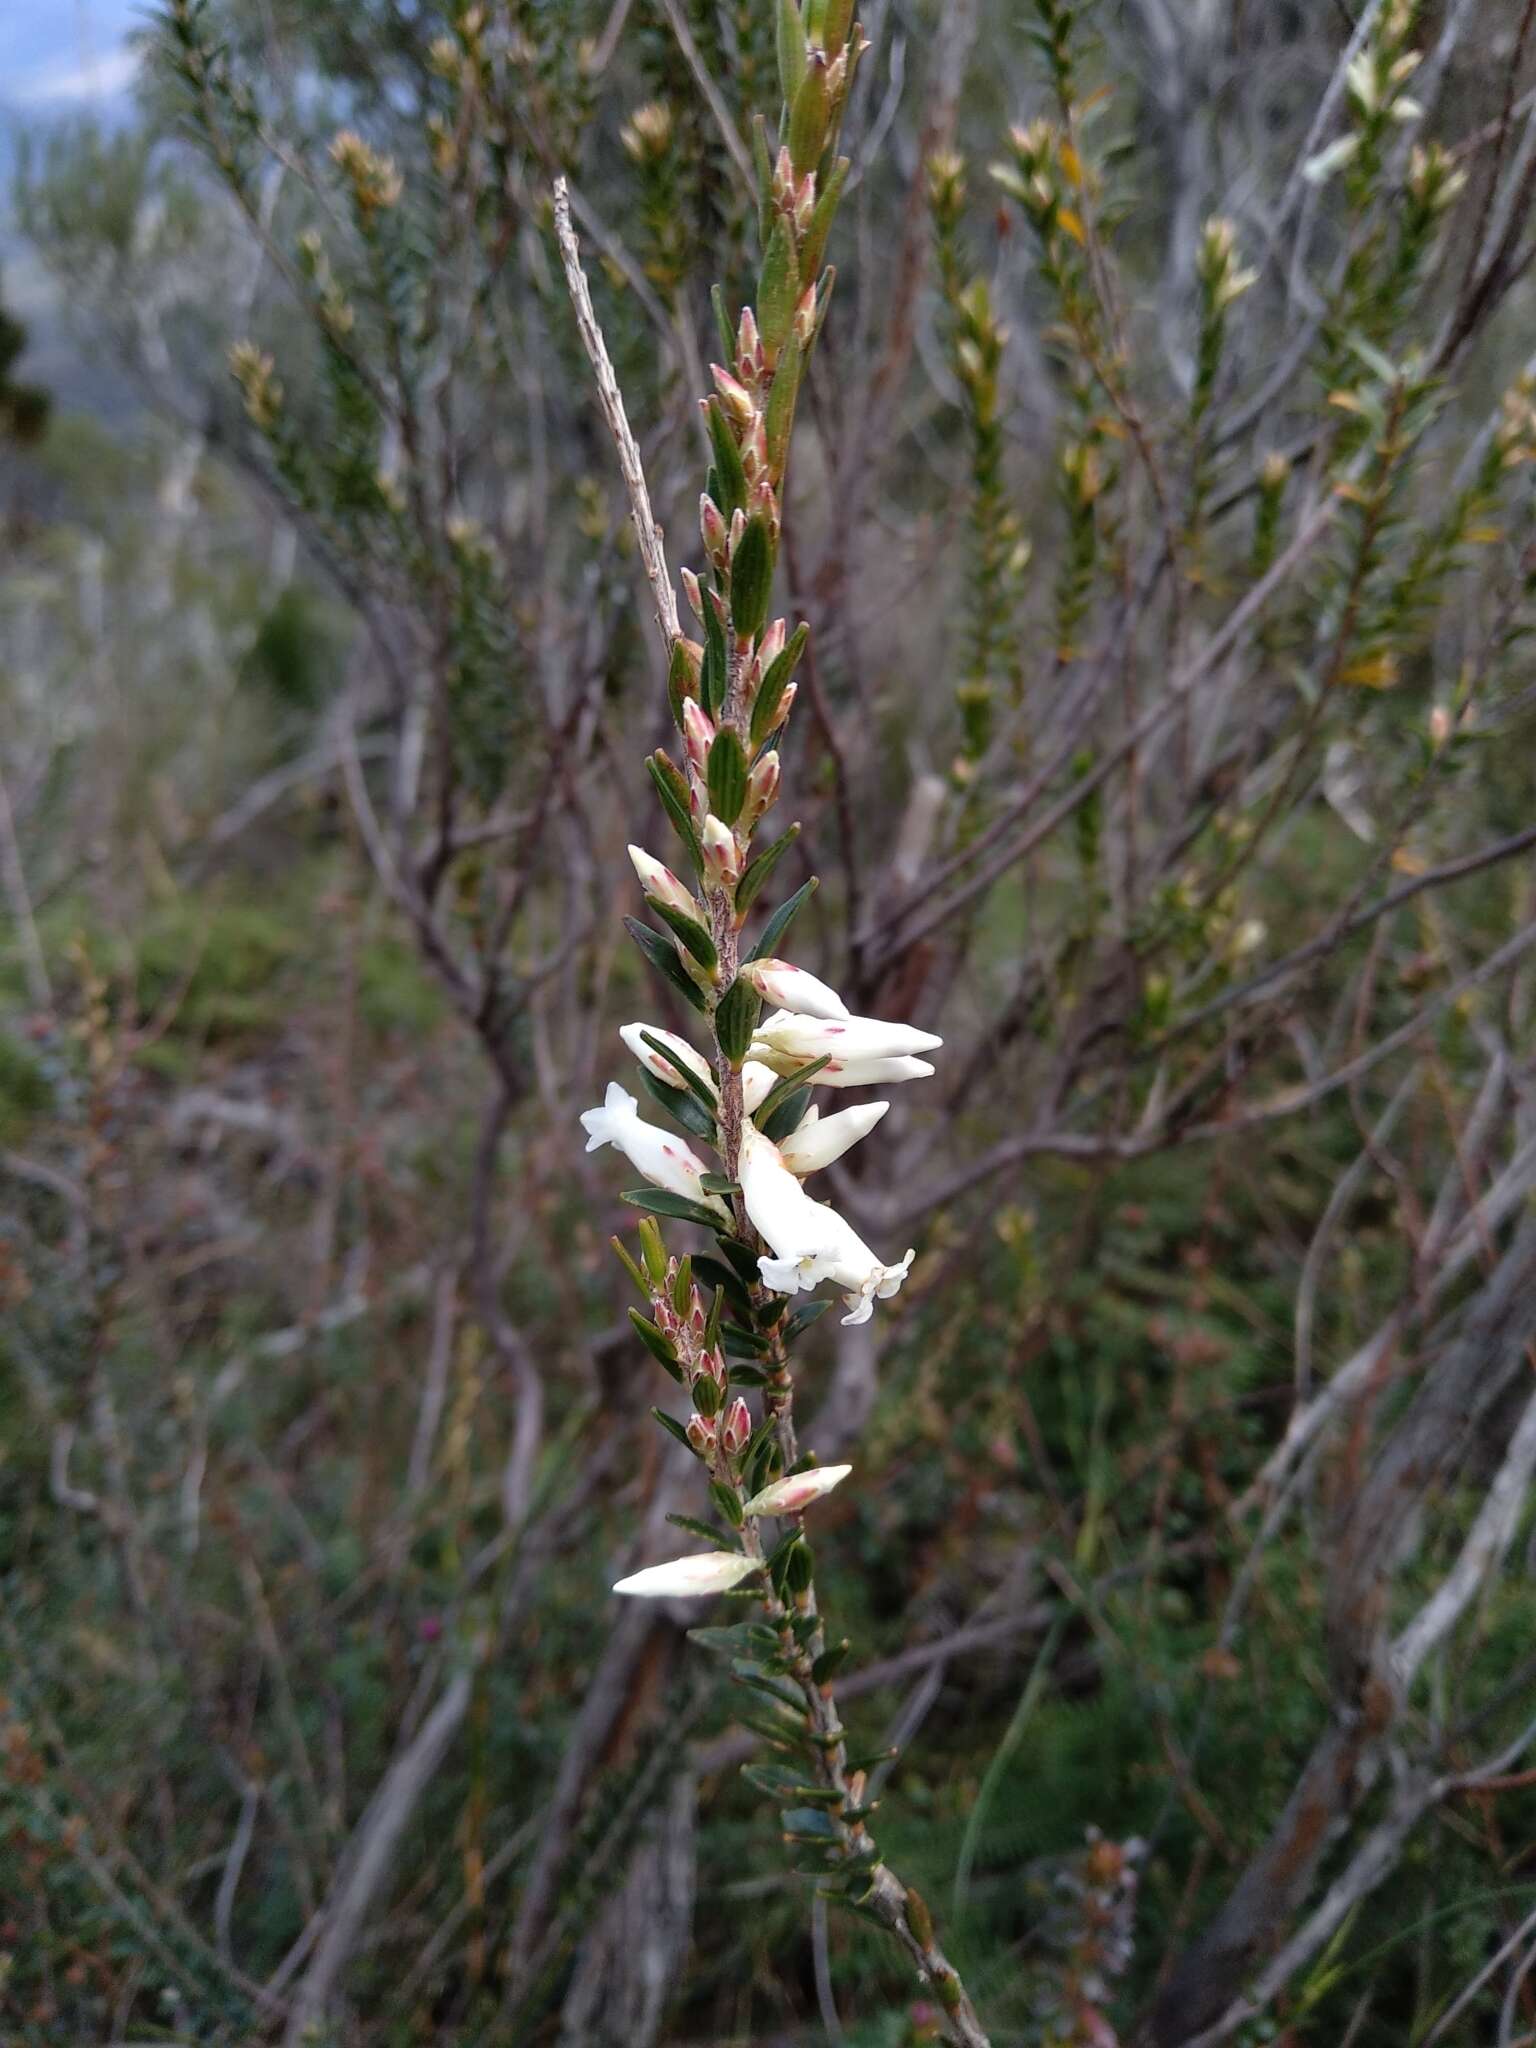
{"x":708,"y":1571}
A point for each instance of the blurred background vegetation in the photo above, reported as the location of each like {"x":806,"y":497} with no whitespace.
{"x":324,"y":691}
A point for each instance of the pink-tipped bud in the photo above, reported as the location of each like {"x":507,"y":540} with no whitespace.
{"x":738,"y":528}
{"x":701,"y":1434}
{"x":722,"y":861}
{"x":711,"y":527}
{"x":713,"y":1362}
{"x":696,"y":1322}
{"x":734,"y":396}
{"x":787,"y":702}
{"x":805,"y":201}
{"x":693,"y":593}
{"x":658,"y":880}
{"x":749,"y":345}
{"x":771,"y":646}
{"x":805,"y":316}
{"x":762,"y":788}
{"x":735,"y":1428}
{"x":754,"y":451}
{"x":698,"y":735}
{"x":1440,"y":727}
{"x":783,"y":178}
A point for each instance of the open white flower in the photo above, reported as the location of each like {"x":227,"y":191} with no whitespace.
{"x":665,"y":1161}
{"x":682,"y":1054}
{"x":810,"y":1241}
{"x":781,"y":982}
{"x":784,"y":1036}
{"x":789,"y":1496}
{"x":707,"y":1571}
{"x":821,"y":1139}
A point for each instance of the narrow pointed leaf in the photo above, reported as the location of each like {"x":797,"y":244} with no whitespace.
{"x":727,"y":771}
{"x":736,"y":1018}
{"x":692,"y":934}
{"x":664,"y":1202}
{"x":728,"y":464}
{"x":778,"y":285}
{"x":680,"y":1106}
{"x":786,"y":1086}
{"x":673,"y":791}
{"x":768,"y":939}
{"x":751,"y":581}
{"x":750,"y":885}
{"x":770,"y":691}
{"x":662,"y":955}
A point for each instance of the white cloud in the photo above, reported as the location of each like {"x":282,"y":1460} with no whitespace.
{"x":76,"y":84}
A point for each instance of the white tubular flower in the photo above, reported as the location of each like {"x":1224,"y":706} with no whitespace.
{"x":810,"y":1241}
{"x":756,"y":1080}
{"x":666,"y":1162}
{"x":820,"y":1140}
{"x":786,"y":1036}
{"x":708,"y":1571}
{"x":682,"y":1053}
{"x":658,"y":880}
{"x":789,"y":1496}
{"x":871,"y":1073}
{"x":779,"y":981}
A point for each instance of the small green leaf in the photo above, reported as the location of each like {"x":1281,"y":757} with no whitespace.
{"x":736,"y":1016}
{"x":741,"y":1342}
{"x":741,"y":1256}
{"x":714,"y":675}
{"x":830,"y":1662}
{"x":786,"y":1118}
{"x":681,"y":681}
{"x":780,"y":416}
{"x":810,"y":1824}
{"x":770,"y":691}
{"x":710,"y":1535}
{"x":771,"y":1688}
{"x":791,"y":50}
{"x":750,"y":885}
{"x":662,"y":955}
{"x":689,"y":1079}
{"x":808,"y":115}
{"x":728,"y":1501}
{"x":723,"y":327}
{"x":680,"y":1106}
{"x":663,"y":1202}
{"x":673,"y":1427}
{"x":732,"y":476}
{"x":839,"y":20}
{"x":727,"y":769}
{"x":751,"y":581}
{"x":802,"y":1318}
{"x":659,"y":1346}
{"x":778,"y":286}
{"x":762,"y":164}
{"x":745,"y":1375}
{"x":689,"y":930}
{"x":786,"y":1085}
{"x":781,"y":920}
{"x":673,"y":791}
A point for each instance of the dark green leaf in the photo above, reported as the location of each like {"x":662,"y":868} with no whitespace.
{"x":787,"y":1117}
{"x":689,"y":1079}
{"x":660,"y":1347}
{"x":830,"y":1661}
{"x":663,"y":1202}
{"x":810,"y":1824}
{"x":741,"y":1256}
{"x":711,"y":1536}
{"x":786,"y":1085}
{"x":674,"y":1428}
{"x":681,"y":680}
{"x":743,"y":1343}
{"x":692,"y":934}
{"x":728,"y":1501}
{"x":736,"y":1017}
{"x":770,"y":691}
{"x":680,"y":1106}
{"x":751,"y":582}
{"x":715,"y":673}
{"x":744,"y":1375}
{"x":751,"y":883}
{"x":662,"y":955}
{"x":740,"y":1639}
{"x":802,"y":1318}
{"x":673,"y":791}
{"x":728,"y":464}
{"x":781,"y":920}
{"x":726,"y":774}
